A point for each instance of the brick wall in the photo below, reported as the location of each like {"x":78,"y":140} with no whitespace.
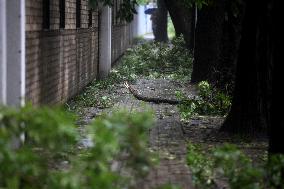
{"x":121,"y":33}
{"x":120,"y":40}
{"x":59,"y":62}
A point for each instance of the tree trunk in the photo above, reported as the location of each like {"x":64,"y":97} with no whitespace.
{"x":277,"y":122}
{"x":208,"y":40}
{"x":226,"y":68}
{"x":250,"y":109}
{"x":183,"y":20}
{"x":162,"y":22}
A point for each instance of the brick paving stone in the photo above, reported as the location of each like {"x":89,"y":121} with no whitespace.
{"x":166,"y":136}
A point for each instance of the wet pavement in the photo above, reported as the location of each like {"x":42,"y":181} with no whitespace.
{"x":166,"y":137}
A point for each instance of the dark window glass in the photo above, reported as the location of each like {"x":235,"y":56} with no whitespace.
{"x":116,"y":11}
{"x":62,"y":13}
{"x":78,"y":13}
{"x":90,"y":23}
{"x":113,"y":12}
{"x":46,"y":14}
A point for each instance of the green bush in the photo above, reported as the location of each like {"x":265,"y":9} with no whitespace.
{"x":208,"y":102}
{"x":52,"y":138}
{"x":200,"y":166}
{"x":49,"y":134}
{"x":169,"y":186}
{"x":275,"y":171}
{"x":234,"y":167}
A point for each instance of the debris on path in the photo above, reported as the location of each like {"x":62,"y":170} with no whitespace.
{"x":153,"y":87}
{"x":166,"y":136}
{"x":169,"y":136}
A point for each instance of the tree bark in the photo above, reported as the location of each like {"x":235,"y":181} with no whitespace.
{"x":250,"y":109}
{"x":277,"y":122}
{"x":162,"y":22}
{"x":208,"y":41}
{"x":183,"y":20}
{"x":226,"y":68}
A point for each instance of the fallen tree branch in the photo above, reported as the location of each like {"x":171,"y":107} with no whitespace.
{"x":156,"y":100}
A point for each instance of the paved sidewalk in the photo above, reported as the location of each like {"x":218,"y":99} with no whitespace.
{"x":166,"y":137}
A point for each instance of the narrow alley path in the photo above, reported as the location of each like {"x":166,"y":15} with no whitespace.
{"x":158,"y":72}
{"x":166,"y":137}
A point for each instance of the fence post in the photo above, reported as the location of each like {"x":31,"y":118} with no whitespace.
{"x":15,"y":22}
{"x":3,"y":58}
{"x":105,"y":42}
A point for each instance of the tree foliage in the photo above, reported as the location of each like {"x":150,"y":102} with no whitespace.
{"x":198,"y":3}
{"x":238,"y":169}
{"x":126,"y":10}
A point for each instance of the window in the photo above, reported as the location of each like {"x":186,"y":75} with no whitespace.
{"x":90,"y":23}
{"x":113,"y":12}
{"x":116,"y":11}
{"x":62,"y":13}
{"x":78,"y":13}
{"x":46,"y":14}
